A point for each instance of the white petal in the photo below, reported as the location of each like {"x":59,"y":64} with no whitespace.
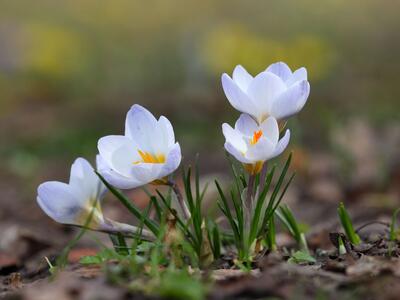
{"x":241,"y":77}
{"x":146,"y":172}
{"x":118,"y":180}
{"x":107,"y":145}
{"x":246,"y":125}
{"x":260,"y":151}
{"x":264,"y":89}
{"x":101,"y":165}
{"x":236,"y":153}
{"x":84,"y":179}
{"x":119,"y":153}
{"x":291,"y":101}
{"x":166,"y":132}
{"x":59,"y":201}
{"x":141,"y":127}
{"x":234,"y":138}
{"x":270,"y":129}
{"x":237,"y":98}
{"x":298,"y":75}
{"x":173,"y":161}
{"x":281,"y":70}
{"x":282,"y":144}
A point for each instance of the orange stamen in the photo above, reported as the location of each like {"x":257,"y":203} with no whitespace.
{"x":256,"y":136}
{"x":150,"y":158}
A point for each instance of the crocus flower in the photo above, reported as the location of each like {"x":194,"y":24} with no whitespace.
{"x":276,"y":92}
{"x":74,"y":202}
{"x":78,"y":202}
{"x":252,"y":143}
{"x":146,"y":153}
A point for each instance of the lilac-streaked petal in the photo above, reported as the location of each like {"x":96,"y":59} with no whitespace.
{"x":280,"y":69}
{"x":291,"y":101}
{"x":59,"y":201}
{"x":298,"y":75}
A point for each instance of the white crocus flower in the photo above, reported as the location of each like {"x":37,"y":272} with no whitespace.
{"x":276,"y":92}
{"x":253,"y":144}
{"x":78,"y":202}
{"x":74,"y":202}
{"x":146,"y":153}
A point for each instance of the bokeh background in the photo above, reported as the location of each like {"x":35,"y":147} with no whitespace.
{"x":70,"y":70}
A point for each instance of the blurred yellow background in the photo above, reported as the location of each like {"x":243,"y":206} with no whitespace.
{"x":70,"y":70}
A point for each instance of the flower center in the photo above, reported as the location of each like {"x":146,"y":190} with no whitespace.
{"x":150,"y":158}
{"x":256,"y":136}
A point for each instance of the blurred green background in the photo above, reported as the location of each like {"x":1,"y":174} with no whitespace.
{"x":70,"y":70}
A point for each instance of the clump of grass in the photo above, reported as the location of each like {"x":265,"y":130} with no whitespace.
{"x":251,"y":221}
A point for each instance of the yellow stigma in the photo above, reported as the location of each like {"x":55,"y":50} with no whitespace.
{"x":150,"y":158}
{"x":256,"y":136}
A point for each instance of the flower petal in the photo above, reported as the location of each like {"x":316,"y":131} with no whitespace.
{"x":282,"y":144}
{"x":84,"y":179}
{"x":146,"y":172}
{"x":173,"y":161}
{"x":119,"y":153}
{"x":167,"y":134}
{"x":298,"y":75}
{"x":291,"y":101}
{"x":263,"y":90}
{"x":246,"y":125}
{"x":241,"y":77}
{"x":237,"y":98}
{"x":236,"y":153}
{"x":141,"y":127}
{"x":59,"y":201}
{"x":107,"y":145}
{"x":101,"y":165}
{"x":260,"y":151}
{"x":280,"y":69}
{"x":119,"y":181}
{"x":234,"y":138}
{"x":270,"y":130}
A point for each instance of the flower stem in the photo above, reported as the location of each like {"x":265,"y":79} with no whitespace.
{"x":113,"y":227}
{"x":263,"y":175}
{"x":249,"y":198}
{"x":250,"y":189}
{"x":181,"y":201}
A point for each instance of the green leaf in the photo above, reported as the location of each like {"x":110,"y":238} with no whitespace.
{"x":392,"y":233}
{"x":130,"y":206}
{"x":302,"y":257}
{"x":348,"y":225}
{"x":91,"y":260}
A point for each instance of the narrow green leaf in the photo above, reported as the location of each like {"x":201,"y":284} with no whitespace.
{"x":130,"y":206}
{"x":348,"y":225}
{"x":392,"y":233}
